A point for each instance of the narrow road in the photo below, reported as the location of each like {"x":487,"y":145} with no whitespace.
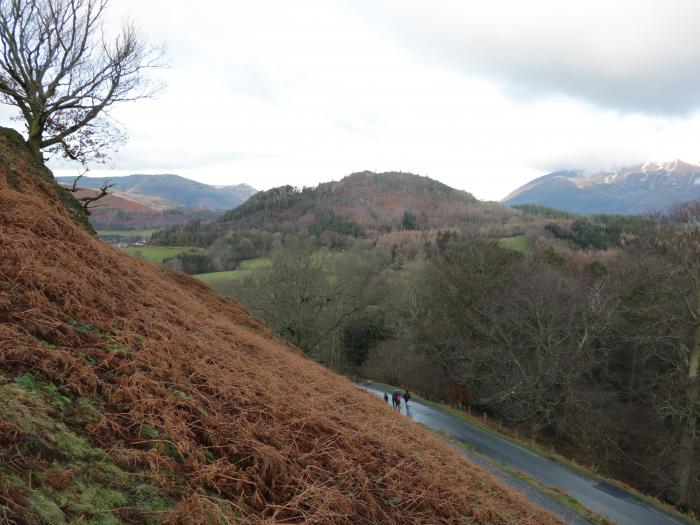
{"x":610,"y":501}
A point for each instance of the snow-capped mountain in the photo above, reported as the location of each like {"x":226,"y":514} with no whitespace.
{"x":639,"y":189}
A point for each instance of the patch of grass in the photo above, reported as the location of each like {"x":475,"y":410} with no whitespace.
{"x":81,"y":326}
{"x":517,"y":243}
{"x":181,"y":395}
{"x":44,"y":510}
{"x":157,"y":254}
{"x":57,"y":476}
{"x":214,"y":278}
{"x":116,"y":349}
{"x":149,"y":432}
{"x":254,"y":264}
{"x":552,"y":492}
{"x":27,"y":382}
{"x":219,"y":281}
{"x":144,"y":233}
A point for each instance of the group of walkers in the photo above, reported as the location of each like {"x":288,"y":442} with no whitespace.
{"x":396,"y":399}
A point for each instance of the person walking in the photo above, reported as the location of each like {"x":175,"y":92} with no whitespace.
{"x":396,"y":400}
{"x":406,"y":397}
{"x":386,"y":397}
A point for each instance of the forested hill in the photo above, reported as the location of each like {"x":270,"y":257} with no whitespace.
{"x":361,"y":204}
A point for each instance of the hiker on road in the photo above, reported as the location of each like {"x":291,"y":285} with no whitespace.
{"x":406,"y":397}
{"x":386,"y":397}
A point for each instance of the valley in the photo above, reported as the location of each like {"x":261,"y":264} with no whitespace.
{"x":254,"y":268}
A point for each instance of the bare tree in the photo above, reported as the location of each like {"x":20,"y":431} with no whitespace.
{"x":308,"y":296}
{"x":664,"y":305}
{"x":63,"y":73}
{"x":87,"y":201}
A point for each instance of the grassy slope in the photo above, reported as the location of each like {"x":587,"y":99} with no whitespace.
{"x":71,"y":478}
{"x":127,"y":233}
{"x":191,"y":399}
{"x":157,"y":254}
{"x":517,"y":243}
{"x":218,"y":279}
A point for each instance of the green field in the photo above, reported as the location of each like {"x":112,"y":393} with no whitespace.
{"x":126,"y":233}
{"x":157,"y":254}
{"x":517,"y":243}
{"x":221,"y":281}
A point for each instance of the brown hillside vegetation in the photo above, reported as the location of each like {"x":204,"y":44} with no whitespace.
{"x":112,"y":200}
{"x":129,"y":393}
{"x":372,"y":200}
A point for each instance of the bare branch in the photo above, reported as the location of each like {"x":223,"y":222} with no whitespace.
{"x":60,"y":70}
{"x":86,"y":202}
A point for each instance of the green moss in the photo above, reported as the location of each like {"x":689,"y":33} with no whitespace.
{"x":173,"y":452}
{"x":182,"y":395}
{"x":77,"y":213}
{"x":116,"y":349}
{"x":57,"y":399}
{"x":84,"y":411}
{"x":64,"y":478}
{"x":95,"y":498}
{"x":150,"y":499}
{"x":14,"y":137}
{"x":43,"y":510}
{"x":27,"y":382}
{"x":83,"y":327}
{"x":149,"y":432}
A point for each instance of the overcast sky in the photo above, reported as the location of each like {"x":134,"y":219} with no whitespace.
{"x":482,"y":95}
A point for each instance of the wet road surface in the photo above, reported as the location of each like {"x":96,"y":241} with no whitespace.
{"x":604,"y":498}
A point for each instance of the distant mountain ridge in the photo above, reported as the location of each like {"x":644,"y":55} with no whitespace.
{"x":638,"y":189}
{"x":171,"y":191}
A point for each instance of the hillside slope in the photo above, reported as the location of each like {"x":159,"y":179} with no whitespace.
{"x":128,"y":210}
{"x":364,"y":203}
{"x":129,"y":393}
{"x":371,"y":200}
{"x":639,"y":189}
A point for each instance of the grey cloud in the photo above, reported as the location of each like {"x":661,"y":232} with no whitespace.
{"x":634,"y":56}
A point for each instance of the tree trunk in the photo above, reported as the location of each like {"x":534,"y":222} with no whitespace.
{"x":689,"y":423}
{"x":35,"y":135}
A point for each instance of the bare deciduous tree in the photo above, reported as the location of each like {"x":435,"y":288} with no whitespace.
{"x":63,"y":73}
{"x":308,"y":296}
{"x":666,"y":308}
{"x":87,"y":201}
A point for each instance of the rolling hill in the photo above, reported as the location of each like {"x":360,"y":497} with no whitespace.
{"x":139,"y":202}
{"x":639,"y":189}
{"x":361,"y":204}
{"x":371,"y":200}
{"x":133,"y":394}
{"x":171,"y":191}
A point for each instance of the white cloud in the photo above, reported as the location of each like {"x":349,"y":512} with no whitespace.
{"x":631,"y":55}
{"x":482,"y":96}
